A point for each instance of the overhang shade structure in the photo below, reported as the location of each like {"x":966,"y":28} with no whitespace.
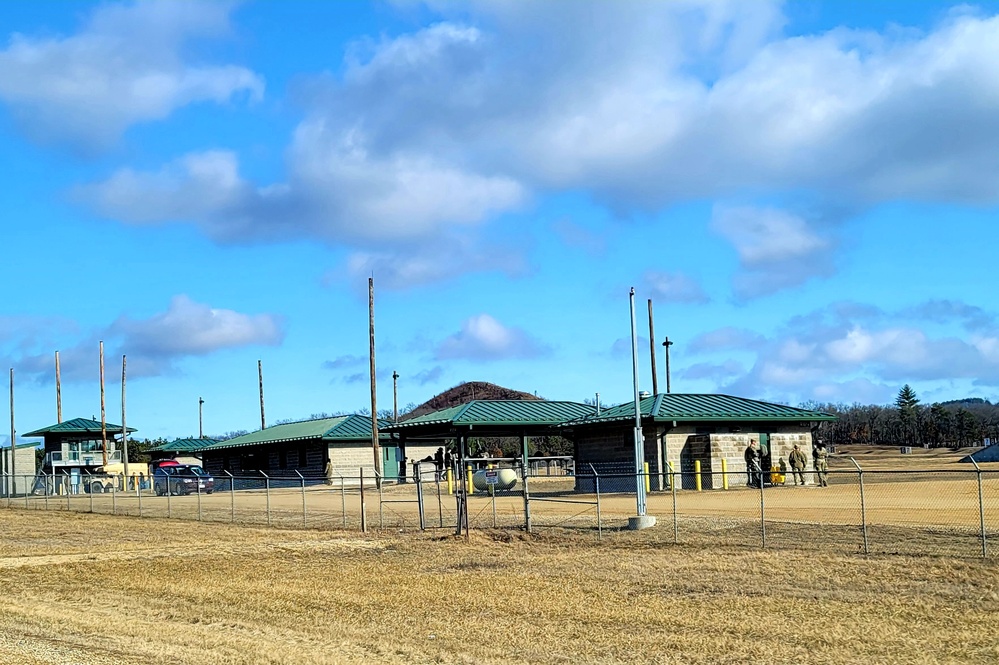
{"x":78,"y":426}
{"x":332,"y":430}
{"x":702,"y":408}
{"x":492,"y":418}
{"x":183,"y":446}
{"x":76,"y":444}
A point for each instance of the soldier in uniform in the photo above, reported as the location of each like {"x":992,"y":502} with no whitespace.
{"x":821,"y":467}
{"x":798,"y":460}
{"x":753,"y":468}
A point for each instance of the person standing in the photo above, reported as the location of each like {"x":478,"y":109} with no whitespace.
{"x":753,"y":468}
{"x":439,"y":463}
{"x":328,"y":471}
{"x":820,"y":464}
{"x":797,"y":460}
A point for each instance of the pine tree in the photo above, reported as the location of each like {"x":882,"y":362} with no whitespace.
{"x":906,"y":403}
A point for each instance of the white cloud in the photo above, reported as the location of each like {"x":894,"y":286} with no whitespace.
{"x":673,"y":287}
{"x":727,"y":338}
{"x":123,"y":67}
{"x":483,"y":338}
{"x":153,"y":345}
{"x":190,"y":328}
{"x":410,"y":266}
{"x":776,"y":249}
{"x":640,"y":106}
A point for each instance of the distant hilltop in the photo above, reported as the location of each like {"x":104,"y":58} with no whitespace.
{"x":466,"y":392}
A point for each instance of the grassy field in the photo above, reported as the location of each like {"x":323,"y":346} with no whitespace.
{"x":82,"y":588}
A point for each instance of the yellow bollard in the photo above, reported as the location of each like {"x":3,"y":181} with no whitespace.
{"x":469,"y":487}
{"x":697,"y":475}
{"x":724,"y":473}
{"x":648,"y":483}
{"x":450,"y":481}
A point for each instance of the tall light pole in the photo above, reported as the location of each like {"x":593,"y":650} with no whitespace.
{"x":667,"y":344}
{"x":201,"y":429}
{"x":642,"y":520}
{"x":395,"y":396}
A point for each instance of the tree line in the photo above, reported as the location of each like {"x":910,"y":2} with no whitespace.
{"x":907,"y":422}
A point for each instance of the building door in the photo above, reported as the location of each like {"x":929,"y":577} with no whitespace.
{"x":766,"y":461}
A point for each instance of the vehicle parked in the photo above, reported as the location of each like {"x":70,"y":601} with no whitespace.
{"x":181,"y":479}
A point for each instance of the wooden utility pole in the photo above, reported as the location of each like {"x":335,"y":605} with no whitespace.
{"x":652,"y":351}
{"x":104,"y":428}
{"x":124,"y":428}
{"x":58,"y":391}
{"x":375,"y":447}
{"x":395,"y":396}
{"x":260,"y":380}
{"x":201,"y":409}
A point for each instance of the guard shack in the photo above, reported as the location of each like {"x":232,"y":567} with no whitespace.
{"x":683,"y":431}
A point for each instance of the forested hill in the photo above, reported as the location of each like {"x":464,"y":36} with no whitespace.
{"x":466,"y":392}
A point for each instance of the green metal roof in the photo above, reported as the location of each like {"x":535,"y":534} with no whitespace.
{"x":681,"y":407}
{"x":77,"y":426}
{"x":183,"y":445}
{"x":499,"y":413}
{"x":340,"y":428}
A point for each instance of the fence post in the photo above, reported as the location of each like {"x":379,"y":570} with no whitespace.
{"x":648,"y":478}
{"x":138,"y":495}
{"x":305,"y":520}
{"x":697,"y":475}
{"x":197,"y":487}
{"x":981,"y":508}
{"x":45,"y":486}
{"x":724,"y":465}
{"x":596,"y":485}
{"x":527,"y":501}
{"x":232,"y":497}
{"x":69,"y":490}
{"x":863,"y":504}
{"x":169,"y":493}
{"x":267,"y":491}
{"x":763,"y":519}
{"x":381,"y":500}
{"x":90,"y":490}
{"x":672,"y":486}
{"x":114,"y":498}
{"x":343,"y":502}
{"x":440,"y":503}
{"x":419,"y":496}
{"x":364,"y":519}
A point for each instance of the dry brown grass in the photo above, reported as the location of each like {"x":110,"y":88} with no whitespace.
{"x":100,"y":589}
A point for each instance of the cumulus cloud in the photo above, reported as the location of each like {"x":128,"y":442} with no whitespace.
{"x":839,"y":349}
{"x":483,"y":338}
{"x":431,"y":375}
{"x":124,"y":66}
{"x":410,"y":266}
{"x":776,"y":249}
{"x":673,"y":287}
{"x":154,"y":345}
{"x":189,"y":328}
{"x":641,"y":106}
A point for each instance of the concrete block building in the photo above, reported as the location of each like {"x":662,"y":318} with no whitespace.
{"x":303,"y":447}
{"x":681,"y":429}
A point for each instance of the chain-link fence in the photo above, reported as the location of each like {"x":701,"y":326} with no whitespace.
{"x":945,"y":512}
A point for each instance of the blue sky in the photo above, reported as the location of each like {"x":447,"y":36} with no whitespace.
{"x":807,"y":191}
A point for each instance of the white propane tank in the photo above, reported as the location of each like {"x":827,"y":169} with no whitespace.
{"x":505,"y":479}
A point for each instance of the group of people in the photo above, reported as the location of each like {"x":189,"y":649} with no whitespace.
{"x":797,"y":460}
